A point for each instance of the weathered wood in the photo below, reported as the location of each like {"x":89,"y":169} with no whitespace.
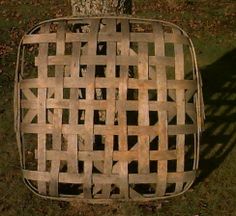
{"x":57,"y":115}
{"x":42,"y":70}
{"x":161,"y":79}
{"x":129,"y":140}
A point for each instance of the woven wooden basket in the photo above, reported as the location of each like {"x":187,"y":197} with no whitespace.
{"x":107,"y":108}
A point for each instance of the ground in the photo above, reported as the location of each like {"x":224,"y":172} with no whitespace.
{"x":212,"y":26}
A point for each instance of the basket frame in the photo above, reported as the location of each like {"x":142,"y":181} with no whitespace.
{"x":17,"y":105}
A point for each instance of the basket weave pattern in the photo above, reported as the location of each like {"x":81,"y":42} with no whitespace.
{"x":107,"y":110}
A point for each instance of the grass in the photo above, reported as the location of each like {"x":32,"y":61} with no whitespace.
{"x":212,"y":27}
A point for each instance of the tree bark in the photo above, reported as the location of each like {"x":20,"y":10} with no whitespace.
{"x":101,"y":7}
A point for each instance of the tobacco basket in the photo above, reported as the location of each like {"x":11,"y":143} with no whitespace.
{"x":108,"y":108}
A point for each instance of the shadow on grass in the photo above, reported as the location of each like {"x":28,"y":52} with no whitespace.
{"x":219,"y":138}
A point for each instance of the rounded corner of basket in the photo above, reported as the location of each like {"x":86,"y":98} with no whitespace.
{"x":33,"y":190}
{"x":29,"y":185}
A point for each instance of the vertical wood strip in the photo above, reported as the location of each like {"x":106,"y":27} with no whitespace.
{"x":162,"y":115}
{"x":57,"y":117}
{"x":110,"y":113}
{"x":89,"y":113}
{"x":122,"y":119}
{"x":73,"y":115}
{"x":143,"y":110}
{"x":180,"y":103}
{"x":42,"y":75}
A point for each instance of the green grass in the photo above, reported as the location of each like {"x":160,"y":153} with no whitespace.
{"x":214,"y":192}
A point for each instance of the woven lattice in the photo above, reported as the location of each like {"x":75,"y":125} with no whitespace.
{"x":107,"y":108}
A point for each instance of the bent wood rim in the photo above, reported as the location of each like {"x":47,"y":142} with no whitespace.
{"x":199,"y":108}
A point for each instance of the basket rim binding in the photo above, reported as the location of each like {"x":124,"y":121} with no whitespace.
{"x":199,"y":104}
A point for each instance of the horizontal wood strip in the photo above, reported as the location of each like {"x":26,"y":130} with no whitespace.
{"x":106,"y":179}
{"x":106,"y":83}
{"x":109,"y":37}
{"x":133,"y":178}
{"x":103,"y":60}
{"x":73,"y":178}
{"x":101,"y":104}
{"x":182,"y":129}
{"x":170,"y":107}
{"x":152,"y":178}
{"x":109,"y":130}
{"x":98,"y":129}
{"x":117,"y":155}
{"x":100,"y":178}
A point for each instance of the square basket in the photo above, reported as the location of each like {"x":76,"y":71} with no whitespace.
{"x":107,"y":108}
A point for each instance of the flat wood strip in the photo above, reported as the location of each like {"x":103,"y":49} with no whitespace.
{"x":117,"y":155}
{"x":143,"y":114}
{"x":40,"y":38}
{"x":29,"y":94}
{"x":46,"y":176}
{"x":72,"y":178}
{"x":134,"y":194}
{"x":108,"y":130}
{"x":90,"y":59}
{"x":41,"y":105}
{"x":189,"y":94}
{"x":162,"y":115}
{"x":122,"y":119}
{"x":72,"y":147}
{"x":152,"y":178}
{"x":109,"y":37}
{"x":109,"y":83}
{"x":107,"y":179}
{"x":110,"y":114}
{"x":89,"y":113}
{"x":102,"y":105}
{"x":180,"y":101}
{"x":182,"y":129}
{"x":57,"y":115}
{"x":170,"y":107}
{"x":133,"y":178}
{"x":191,"y":114}
{"x":29,"y":116}
{"x":49,"y":116}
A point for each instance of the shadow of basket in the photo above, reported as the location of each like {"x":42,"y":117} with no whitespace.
{"x":219,"y":138}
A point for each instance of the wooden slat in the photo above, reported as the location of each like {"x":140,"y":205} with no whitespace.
{"x":116,"y":155}
{"x":109,"y":82}
{"x":134,"y":178}
{"x":143,"y":114}
{"x":41,"y":105}
{"x":29,"y":94}
{"x":29,"y":116}
{"x":57,"y":115}
{"x":111,"y":37}
{"x":180,"y":101}
{"x":73,"y":111}
{"x":108,"y":130}
{"x":89,"y":59}
{"x":162,"y":115}
{"x":89,"y":113}
{"x":102,"y":105}
{"x":122,"y":120}
{"x":110,"y":114}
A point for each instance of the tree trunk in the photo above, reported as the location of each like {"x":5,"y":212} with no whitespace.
{"x":100,"y":7}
